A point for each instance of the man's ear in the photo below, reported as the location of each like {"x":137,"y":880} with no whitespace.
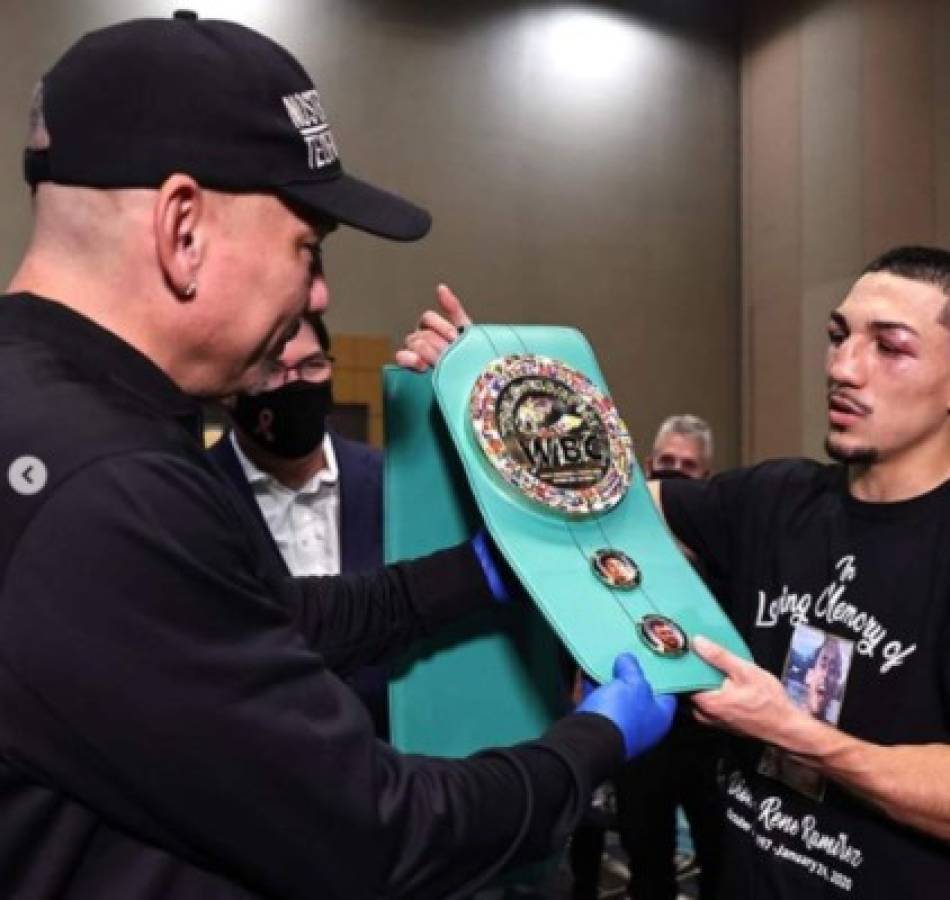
{"x":945,"y":321}
{"x":179,"y":240}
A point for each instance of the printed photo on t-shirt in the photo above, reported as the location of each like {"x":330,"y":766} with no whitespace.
{"x":814,"y":677}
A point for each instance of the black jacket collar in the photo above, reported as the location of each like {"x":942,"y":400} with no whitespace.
{"x":96,"y":354}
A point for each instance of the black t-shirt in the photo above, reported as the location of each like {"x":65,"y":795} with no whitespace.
{"x":847,"y":603}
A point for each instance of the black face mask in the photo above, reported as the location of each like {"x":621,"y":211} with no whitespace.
{"x":290,"y":421}
{"x":667,"y":474}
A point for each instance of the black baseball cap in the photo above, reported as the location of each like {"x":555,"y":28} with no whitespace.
{"x":131,"y":104}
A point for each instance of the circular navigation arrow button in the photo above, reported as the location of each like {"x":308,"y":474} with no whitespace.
{"x":27,"y":475}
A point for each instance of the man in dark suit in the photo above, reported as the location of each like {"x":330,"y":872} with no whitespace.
{"x":316,"y":494}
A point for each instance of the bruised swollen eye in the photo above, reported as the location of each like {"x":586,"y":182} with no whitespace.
{"x":889,"y":349}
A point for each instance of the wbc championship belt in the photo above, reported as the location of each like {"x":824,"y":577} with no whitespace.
{"x":552,"y":471}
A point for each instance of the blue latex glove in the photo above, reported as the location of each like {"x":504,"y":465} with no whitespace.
{"x":629,"y":702}
{"x":492,"y":567}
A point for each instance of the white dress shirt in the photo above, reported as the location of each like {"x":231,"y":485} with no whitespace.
{"x":305,"y":522}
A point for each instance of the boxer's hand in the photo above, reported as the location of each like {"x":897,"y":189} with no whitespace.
{"x":751,"y":701}
{"x":629,"y":702}
{"x":435,"y":331}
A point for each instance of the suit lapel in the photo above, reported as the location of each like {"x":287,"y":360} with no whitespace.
{"x":226,"y":459}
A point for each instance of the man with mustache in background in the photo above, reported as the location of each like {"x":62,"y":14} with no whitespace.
{"x":859,"y":549}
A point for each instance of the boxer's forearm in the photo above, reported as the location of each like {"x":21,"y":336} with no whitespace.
{"x":909,"y":782}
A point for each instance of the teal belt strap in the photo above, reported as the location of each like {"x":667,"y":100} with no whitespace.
{"x":493,"y":679}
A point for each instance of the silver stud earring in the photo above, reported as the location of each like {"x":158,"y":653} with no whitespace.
{"x":191,"y":290}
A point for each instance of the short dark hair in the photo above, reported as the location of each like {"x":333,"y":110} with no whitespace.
{"x":315,"y":321}
{"x":930,"y":265}
{"x":834,"y":644}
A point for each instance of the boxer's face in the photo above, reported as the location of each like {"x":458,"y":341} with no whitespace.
{"x":888,"y":368}
{"x":666,"y":635}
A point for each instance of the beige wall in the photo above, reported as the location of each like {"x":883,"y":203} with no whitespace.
{"x":845,"y":111}
{"x":605,"y":191}
{"x":581,"y":165}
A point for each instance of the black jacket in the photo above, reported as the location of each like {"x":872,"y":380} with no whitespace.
{"x":171,"y":724}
